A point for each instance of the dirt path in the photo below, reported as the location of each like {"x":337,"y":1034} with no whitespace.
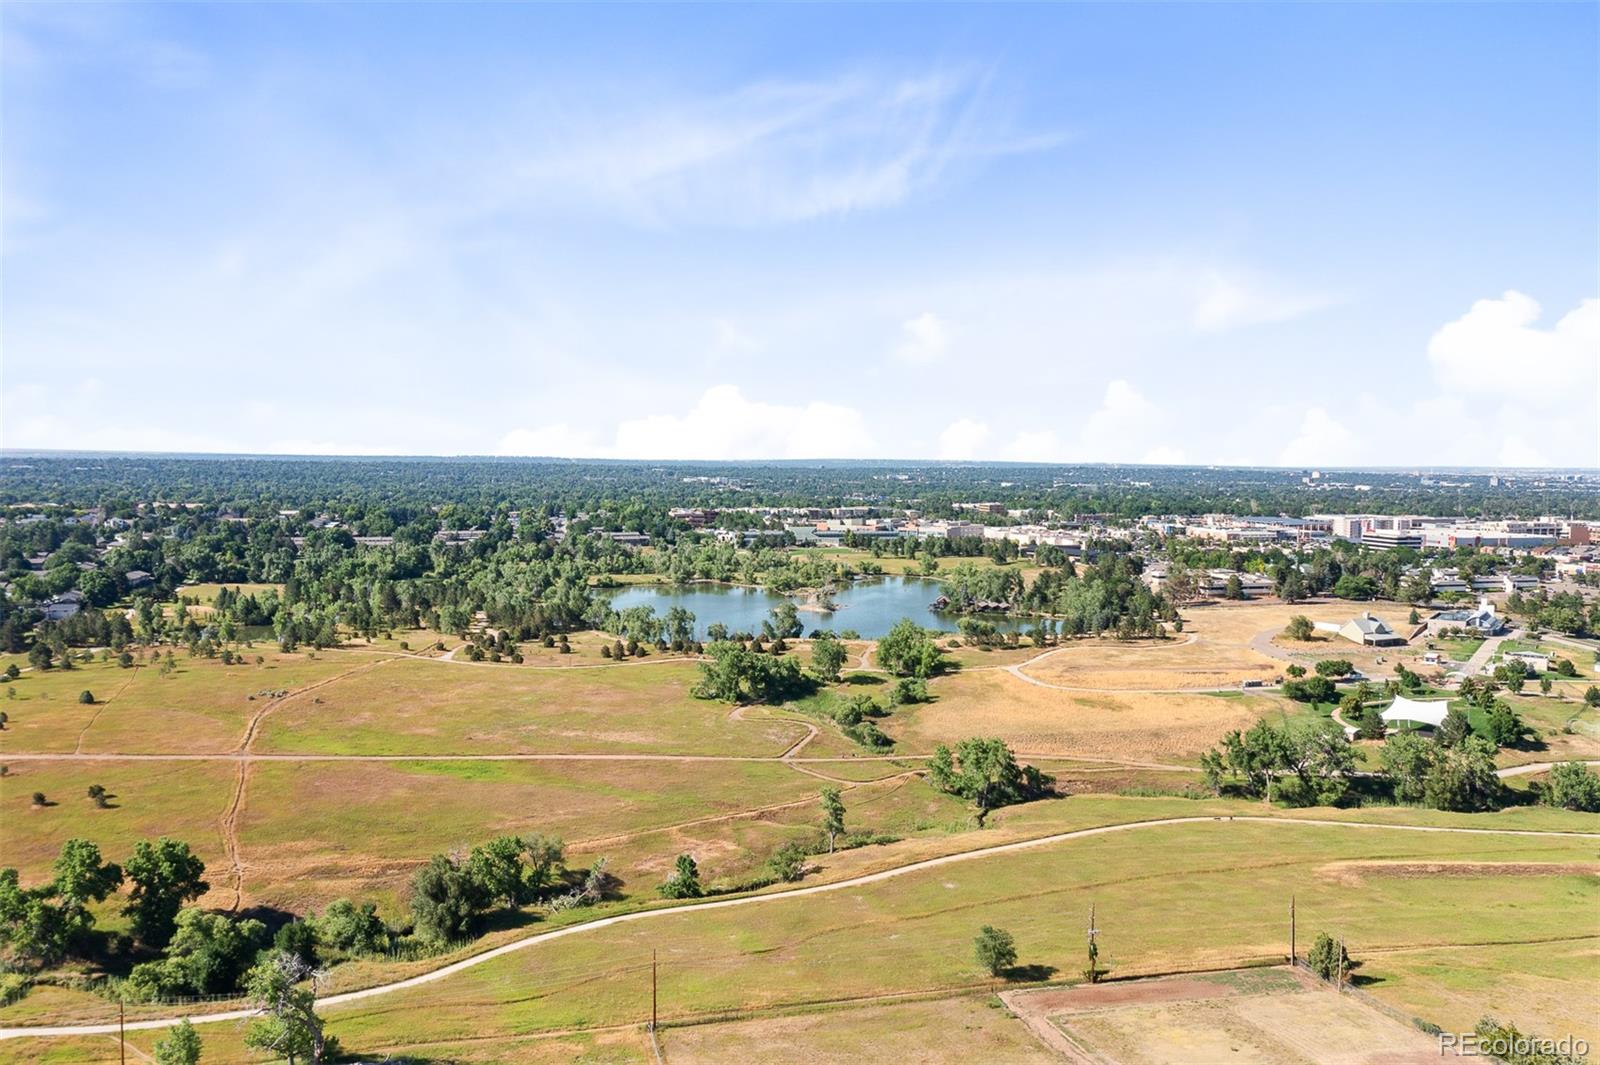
{"x":101,"y":707}
{"x":229,"y":822}
{"x":846,"y":884}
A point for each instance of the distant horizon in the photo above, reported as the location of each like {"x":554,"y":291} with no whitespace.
{"x":1418,"y":468}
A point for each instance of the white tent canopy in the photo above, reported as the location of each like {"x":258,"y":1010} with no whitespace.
{"x":1425,"y":713}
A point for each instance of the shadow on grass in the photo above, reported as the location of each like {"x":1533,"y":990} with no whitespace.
{"x":1029,"y":973}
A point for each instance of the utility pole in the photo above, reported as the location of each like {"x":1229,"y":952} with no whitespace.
{"x":1341,"y":965}
{"x":122,"y":1033}
{"x":652,"y":989}
{"x":1094,"y":949}
{"x":1291,"y":932}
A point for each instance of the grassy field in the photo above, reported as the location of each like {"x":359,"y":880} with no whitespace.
{"x":1153,"y":888}
{"x":413,"y":707}
{"x":1114,"y":725}
{"x":1167,"y":897}
{"x":148,"y":799}
{"x":316,"y":831}
{"x":806,"y":974}
{"x":203,"y":706}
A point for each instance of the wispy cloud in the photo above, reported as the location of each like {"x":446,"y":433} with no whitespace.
{"x":774,"y":151}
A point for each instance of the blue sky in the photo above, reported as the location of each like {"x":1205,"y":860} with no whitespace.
{"x":1290,"y":234}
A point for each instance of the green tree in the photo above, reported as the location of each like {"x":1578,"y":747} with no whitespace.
{"x":165,"y":875}
{"x":1506,"y":727}
{"x":1299,"y":629}
{"x":1328,"y":958}
{"x":1455,"y":728}
{"x":33,"y":925}
{"x":832,"y":814}
{"x":446,"y":900}
{"x":1372,"y":726}
{"x":1592,"y":696}
{"x":346,"y":927}
{"x":1572,"y":786}
{"x":908,"y":650}
{"x":498,"y":868}
{"x":1406,"y":759}
{"x":81,"y":877}
{"x":685,"y":880}
{"x":1462,"y":778}
{"x":207,"y":954}
{"x":86,"y":697}
{"x":182,"y":1046}
{"x":983,"y":771}
{"x":995,"y":950}
{"x":827,"y":658}
{"x":788,"y":864}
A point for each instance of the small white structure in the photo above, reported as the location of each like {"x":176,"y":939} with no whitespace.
{"x":1416,"y":711}
{"x":1365,"y":629}
{"x":1533,"y":660}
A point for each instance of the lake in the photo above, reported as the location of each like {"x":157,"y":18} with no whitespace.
{"x":870,"y":606}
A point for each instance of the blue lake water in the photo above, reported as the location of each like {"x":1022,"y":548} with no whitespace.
{"x":870,"y":606}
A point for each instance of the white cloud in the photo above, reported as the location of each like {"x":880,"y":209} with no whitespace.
{"x":1036,"y":445}
{"x":1496,"y":348}
{"x":723,"y":424}
{"x":924,"y":339}
{"x":962,"y":439}
{"x":1231,"y":301}
{"x":1323,"y":440}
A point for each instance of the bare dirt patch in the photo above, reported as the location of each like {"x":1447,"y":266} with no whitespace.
{"x":1269,"y":1016}
{"x":1111,"y":725}
{"x":1356,"y":872}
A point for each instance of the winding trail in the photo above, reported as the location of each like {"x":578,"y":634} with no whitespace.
{"x":846,"y":884}
{"x":229,"y":822}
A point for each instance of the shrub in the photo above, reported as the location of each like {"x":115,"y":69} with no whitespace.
{"x":995,"y":950}
{"x":685,"y":880}
{"x":1327,"y":957}
{"x":86,"y":697}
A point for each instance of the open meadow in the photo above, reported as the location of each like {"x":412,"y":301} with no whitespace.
{"x":309,"y":777}
{"x":1211,"y":892}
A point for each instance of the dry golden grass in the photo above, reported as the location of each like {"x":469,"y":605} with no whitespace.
{"x":967,"y":1030}
{"x":1111,"y":725}
{"x":408,"y":706}
{"x":1134,"y":666}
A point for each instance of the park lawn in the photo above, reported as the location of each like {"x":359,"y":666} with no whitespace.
{"x":1458,"y":648}
{"x":315,"y":831}
{"x":1167,"y":897}
{"x":184,"y":800}
{"x":1565,"y":729}
{"x":1128,"y":726}
{"x":420,"y":707}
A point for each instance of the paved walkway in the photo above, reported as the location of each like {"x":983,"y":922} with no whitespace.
{"x":1480,"y":657}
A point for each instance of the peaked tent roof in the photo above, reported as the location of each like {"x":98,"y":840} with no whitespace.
{"x":1430,"y":712}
